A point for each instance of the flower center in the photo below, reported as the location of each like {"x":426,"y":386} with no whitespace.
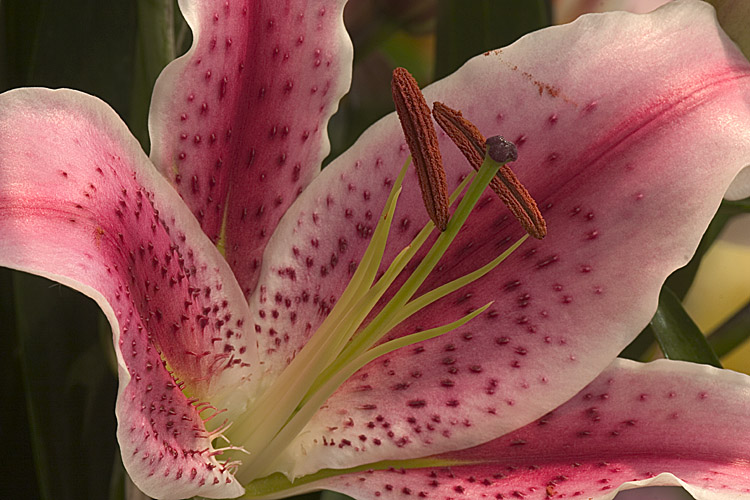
{"x":352,"y":334}
{"x":343,"y":343}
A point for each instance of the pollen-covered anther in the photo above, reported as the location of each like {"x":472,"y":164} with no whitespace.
{"x":464,"y":134}
{"x":421,"y":138}
{"x":470,"y":141}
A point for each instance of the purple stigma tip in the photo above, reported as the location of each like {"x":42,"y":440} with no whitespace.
{"x":501,"y":150}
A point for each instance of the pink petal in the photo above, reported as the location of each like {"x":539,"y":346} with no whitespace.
{"x":238,"y":124}
{"x":628,"y":154}
{"x":81,"y":204}
{"x":565,"y":11}
{"x":635,"y":425}
{"x":655,"y":493}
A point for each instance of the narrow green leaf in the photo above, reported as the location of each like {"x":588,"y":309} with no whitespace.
{"x":155,"y":48}
{"x":679,"y":282}
{"x":81,"y":44}
{"x":737,"y":206}
{"x":732,"y":333}
{"x":640,"y":346}
{"x":334,"y":495}
{"x":465,"y":29}
{"x":14,"y":432}
{"x":19,"y":25}
{"x":677,"y":334}
{"x":69,"y":388}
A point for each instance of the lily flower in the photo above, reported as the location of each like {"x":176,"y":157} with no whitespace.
{"x":567,"y":10}
{"x":273,"y":332}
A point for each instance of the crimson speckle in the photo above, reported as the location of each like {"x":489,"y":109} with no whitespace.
{"x":547,"y":262}
{"x":590,"y":107}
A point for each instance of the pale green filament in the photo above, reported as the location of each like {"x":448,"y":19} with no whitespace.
{"x":342,"y":345}
{"x":420,"y":303}
{"x":300,"y":419}
{"x":375,"y":329}
{"x":256,"y":427}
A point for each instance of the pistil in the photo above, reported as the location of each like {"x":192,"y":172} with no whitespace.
{"x":271,"y":429}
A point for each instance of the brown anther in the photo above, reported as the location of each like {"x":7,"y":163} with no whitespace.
{"x":467,"y":137}
{"x":519,"y":202}
{"x":464,"y":134}
{"x":421,"y":138}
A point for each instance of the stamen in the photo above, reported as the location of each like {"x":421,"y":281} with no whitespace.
{"x":298,"y":421}
{"x":348,"y":338}
{"x":362,"y":347}
{"x":464,"y":134}
{"x":467,"y":137}
{"x":512,"y":192}
{"x":421,"y":138}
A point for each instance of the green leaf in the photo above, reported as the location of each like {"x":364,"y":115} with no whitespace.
{"x":334,"y":495}
{"x":732,"y":333}
{"x":679,"y":282}
{"x":81,"y":44}
{"x":465,"y":29}
{"x":681,"y":279}
{"x":155,"y":48}
{"x":61,"y":370}
{"x":736,"y":207}
{"x":640,"y":346}
{"x":677,"y":334}
{"x":70,"y":389}
{"x":13,"y":431}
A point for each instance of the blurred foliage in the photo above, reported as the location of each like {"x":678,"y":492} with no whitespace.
{"x":68,"y":392}
{"x":677,"y":334}
{"x":733,"y":16}
{"x":154,"y":49}
{"x":466,"y":29}
{"x":59,"y":386}
{"x":385,"y":34}
{"x":681,"y":279}
{"x":732,"y":333}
